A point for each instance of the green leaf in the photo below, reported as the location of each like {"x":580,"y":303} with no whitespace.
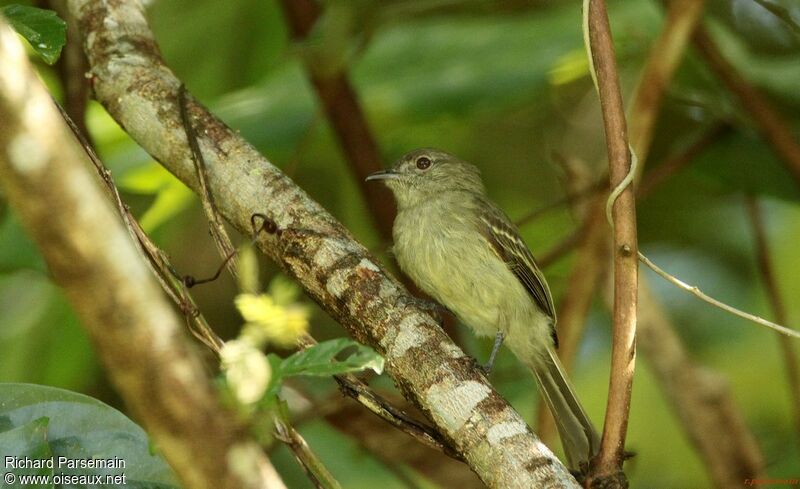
{"x":320,"y":359}
{"x":46,"y":33}
{"x":27,"y":441}
{"x":79,"y":427}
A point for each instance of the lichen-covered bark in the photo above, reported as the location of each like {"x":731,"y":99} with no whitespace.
{"x":139,"y":91}
{"x":46,"y":178}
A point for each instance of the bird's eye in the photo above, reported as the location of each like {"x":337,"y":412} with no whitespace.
{"x":423,"y":162}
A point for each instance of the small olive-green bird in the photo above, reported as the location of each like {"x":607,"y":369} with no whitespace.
{"x":463,"y":251}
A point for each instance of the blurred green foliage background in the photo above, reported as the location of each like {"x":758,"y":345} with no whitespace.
{"x":504,"y":85}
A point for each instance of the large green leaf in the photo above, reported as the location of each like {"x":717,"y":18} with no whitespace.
{"x":79,"y":428}
{"x":42,"y":28}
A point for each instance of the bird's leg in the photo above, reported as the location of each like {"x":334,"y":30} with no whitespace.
{"x":436,"y":310}
{"x":498,"y":342}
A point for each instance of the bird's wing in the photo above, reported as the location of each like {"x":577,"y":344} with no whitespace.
{"x":504,"y":239}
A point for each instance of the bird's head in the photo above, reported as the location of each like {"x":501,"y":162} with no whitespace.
{"x":426,"y":173}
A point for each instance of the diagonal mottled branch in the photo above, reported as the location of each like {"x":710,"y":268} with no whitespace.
{"x":130,"y":79}
{"x":45,"y":175}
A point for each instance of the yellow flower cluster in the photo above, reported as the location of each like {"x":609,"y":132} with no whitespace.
{"x":271,"y":322}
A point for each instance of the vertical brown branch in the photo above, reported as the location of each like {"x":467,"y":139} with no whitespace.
{"x":767,"y":270}
{"x":346,"y":117}
{"x":607,"y":466}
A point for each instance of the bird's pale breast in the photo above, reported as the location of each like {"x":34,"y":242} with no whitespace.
{"x":446,"y":256}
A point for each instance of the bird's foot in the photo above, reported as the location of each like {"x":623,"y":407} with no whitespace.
{"x":498,"y":342}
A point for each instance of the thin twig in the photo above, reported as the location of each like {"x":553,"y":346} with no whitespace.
{"x":72,"y":67}
{"x":157,"y":260}
{"x":217,"y":226}
{"x":677,"y":162}
{"x":714,"y":302}
{"x":353,"y":387}
{"x":558,"y":250}
{"x":782,"y":13}
{"x":606,"y":467}
{"x":190,"y":281}
{"x":770,"y":282}
{"x":311,"y":464}
{"x":567,"y":200}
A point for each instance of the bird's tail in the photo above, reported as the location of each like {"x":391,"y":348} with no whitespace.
{"x":578,"y":435}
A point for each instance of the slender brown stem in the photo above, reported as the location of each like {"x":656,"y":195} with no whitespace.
{"x":607,"y":465}
{"x":316,"y":471}
{"x":770,"y":282}
{"x":567,"y":200}
{"x":72,"y":67}
{"x":215,"y":220}
{"x":352,"y":387}
{"x":782,"y":13}
{"x":157,"y":260}
{"x":665,"y":56}
{"x":770,"y":123}
{"x":347,"y":118}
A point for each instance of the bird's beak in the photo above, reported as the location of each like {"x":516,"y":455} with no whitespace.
{"x":383,"y":175}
